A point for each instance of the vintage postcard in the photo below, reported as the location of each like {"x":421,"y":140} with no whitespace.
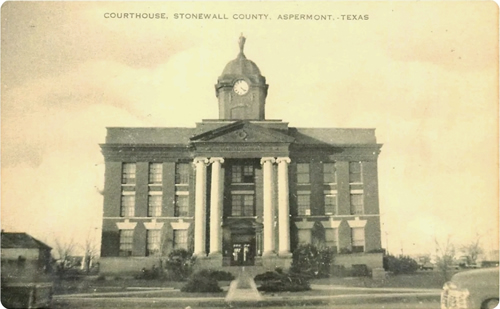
{"x":282,"y":153}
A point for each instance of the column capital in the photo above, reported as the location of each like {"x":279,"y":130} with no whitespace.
{"x":201,"y":160}
{"x":266,"y":159}
{"x":216,"y":159}
{"x":283,"y":159}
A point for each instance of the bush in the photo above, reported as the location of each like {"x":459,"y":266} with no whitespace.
{"x":280,"y":282}
{"x":147,"y":274}
{"x":179,"y":265}
{"x":220,"y":275}
{"x":400,"y":265}
{"x":201,"y":282}
{"x":312,"y":262}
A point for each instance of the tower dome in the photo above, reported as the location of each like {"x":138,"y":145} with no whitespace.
{"x":241,"y":66}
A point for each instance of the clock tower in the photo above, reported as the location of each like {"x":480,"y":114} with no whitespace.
{"x":241,"y":89}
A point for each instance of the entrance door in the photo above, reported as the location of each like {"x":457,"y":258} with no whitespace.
{"x":242,"y":254}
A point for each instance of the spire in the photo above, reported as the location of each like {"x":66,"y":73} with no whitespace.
{"x":241,"y":42}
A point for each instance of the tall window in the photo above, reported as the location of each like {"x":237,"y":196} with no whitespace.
{"x":242,"y":174}
{"x":181,"y":208}
{"x":358,"y":239}
{"x":126,"y":239}
{"x":153,"y":242}
{"x":155,"y":173}
{"x":180,"y":239}
{"x":303,"y":173}
{"x":154,"y":205}
{"x":355,"y":172}
{"x":329,"y":173}
{"x":304,"y":204}
{"x":357,"y":204}
{"x":242,"y":205}
{"x":331,"y":204}
{"x":127,"y":205}
{"x":331,"y":238}
{"x":182,"y":171}
{"x":128,"y":173}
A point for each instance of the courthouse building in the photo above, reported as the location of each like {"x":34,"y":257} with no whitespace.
{"x":240,"y":189}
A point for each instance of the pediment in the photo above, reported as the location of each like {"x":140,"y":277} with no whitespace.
{"x":243,"y":132}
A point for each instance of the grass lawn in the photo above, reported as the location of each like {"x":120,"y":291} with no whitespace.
{"x":418,"y":280}
{"x":421,"y":280}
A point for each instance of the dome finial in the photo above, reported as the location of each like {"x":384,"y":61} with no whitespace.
{"x":241,"y":42}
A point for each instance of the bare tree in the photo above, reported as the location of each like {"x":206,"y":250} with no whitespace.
{"x":445,"y":253}
{"x":64,"y":250}
{"x":90,"y":248}
{"x":472,"y":249}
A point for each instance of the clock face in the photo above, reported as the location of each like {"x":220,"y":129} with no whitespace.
{"x":240,"y":87}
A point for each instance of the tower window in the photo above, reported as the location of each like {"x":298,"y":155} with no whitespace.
{"x":128,"y":173}
{"x":303,"y":173}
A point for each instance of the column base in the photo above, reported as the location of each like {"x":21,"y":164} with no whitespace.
{"x":285,"y":254}
{"x":269,"y":253}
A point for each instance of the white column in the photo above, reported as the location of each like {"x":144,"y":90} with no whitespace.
{"x":200,"y":206}
{"x":216,"y":193}
{"x":267,"y":167}
{"x":283,"y":205}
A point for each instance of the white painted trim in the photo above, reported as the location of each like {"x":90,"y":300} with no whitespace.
{"x":153,"y":225}
{"x":180,"y":225}
{"x":330,"y":192}
{"x":243,"y":192}
{"x":304,"y":225}
{"x":331,"y":224}
{"x":128,"y":192}
{"x":356,"y":191}
{"x":181,"y":192}
{"x":155,"y":193}
{"x":305,"y":192}
{"x":126,"y":225}
{"x":356,"y":223}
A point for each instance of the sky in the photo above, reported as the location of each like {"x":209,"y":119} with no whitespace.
{"x":423,"y":74}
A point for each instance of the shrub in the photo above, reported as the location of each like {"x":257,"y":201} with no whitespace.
{"x":179,"y":265}
{"x":268,"y":276}
{"x":312,"y":262}
{"x":202,"y":282}
{"x":400,"y":265}
{"x":280,"y":282}
{"x":220,"y":275}
{"x":147,"y":274}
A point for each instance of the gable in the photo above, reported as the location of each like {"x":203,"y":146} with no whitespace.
{"x":242,"y":132}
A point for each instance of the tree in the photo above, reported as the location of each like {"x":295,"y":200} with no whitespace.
{"x":64,"y":250}
{"x":472,"y":249}
{"x":445,"y":253}
{"x":90,"y":248}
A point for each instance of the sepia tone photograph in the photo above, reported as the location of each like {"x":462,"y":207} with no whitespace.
{"x":250,"y":154}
